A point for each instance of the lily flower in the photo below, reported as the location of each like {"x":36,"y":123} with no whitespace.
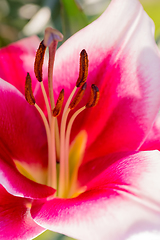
{"x":86,"y":165}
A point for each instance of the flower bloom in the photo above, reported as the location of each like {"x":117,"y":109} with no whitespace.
{"x":107,"y":179}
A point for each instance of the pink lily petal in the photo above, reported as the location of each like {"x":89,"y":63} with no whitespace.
{"x":122,"y":200}
{"x":124,"y":62}
{"x":18,"y":185}
{"x":16,"y":60}
{"x":153,"y":138}
{"x":22,"y":130}
{"x":15,"y":218}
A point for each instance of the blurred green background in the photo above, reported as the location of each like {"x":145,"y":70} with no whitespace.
{"x":22,"y":18}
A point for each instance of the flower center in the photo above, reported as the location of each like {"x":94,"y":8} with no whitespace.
{"x":62,"y":175}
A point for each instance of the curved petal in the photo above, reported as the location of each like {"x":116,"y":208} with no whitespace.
{"x":122,"y":200}
{"x":154,"y":235}
{"x":15,"y":219}
{"x":16,"y":60}
{"x":18,"y":185}
{"x":22,"y":130}
{"x":152,"y":141}
{"x":124,"y":63}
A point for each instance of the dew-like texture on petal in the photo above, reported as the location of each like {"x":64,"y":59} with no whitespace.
{"x":121,"y":200}
{"x":17,"y":184}
{"x":152,"y":141}
{"x":15,"y":218}
{"x":22,"y":130}
{"x":124,"y":63}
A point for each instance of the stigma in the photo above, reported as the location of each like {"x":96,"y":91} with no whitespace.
{"x":58,"y":137}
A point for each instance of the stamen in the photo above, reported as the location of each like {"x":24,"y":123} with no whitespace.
{"x":52,"y":175}
{"x":52,"y":178}
{"x":44,"y":121}
{"x":83,"y":70}
{"x":46,"y":102}
{"x":62,"y":144}
{"x":52,"y":172}
{"x":78,"y":96}
{"x":68,"y":133}
{"x":82,"y":77}
{"x":55,"y":113}
{"x":94,"y":96}
{"x":50,"y":35}
{"x":62,"y":175}
{"x":58,"y":107}
{"x":39,"y":61}
{"x":31,"y":100}
{"x":28,"y":90}
{"x":38,"y":64}
{"x":63,"y":180}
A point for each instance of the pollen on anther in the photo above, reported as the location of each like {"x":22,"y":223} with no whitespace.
{"x":83,"y":70}
{"x":94,"y":96}
{"x":28,"y":90}
{"x":58,"y":107}
{"x":39,"y":59}
{"x":78,"y":96}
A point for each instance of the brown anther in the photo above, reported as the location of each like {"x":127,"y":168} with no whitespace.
{"x":94,"y":96}
{"x":28,"y":90}
{"x":58,"y":107}
{"x":78,"y":96}
{"x":39,"y":61}
{"x":83,"y":70}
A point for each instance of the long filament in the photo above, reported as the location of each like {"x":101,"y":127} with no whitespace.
{"x":57,"y":137}
{"x":62,"y":177}
{"x":68,"y":101}
{"x":52,"y":181}
{"x":44,"y":121}
{"x":52,"y":174}
{"x":68,"y":133}
{"x":46,"y":102}
{"x":47,"y":130}
{"x":52,"y":177}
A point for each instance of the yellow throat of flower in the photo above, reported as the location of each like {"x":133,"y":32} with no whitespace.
{"x":63,"y":159}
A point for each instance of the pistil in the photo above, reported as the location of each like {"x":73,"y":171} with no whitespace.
{"x":51,"y":39}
